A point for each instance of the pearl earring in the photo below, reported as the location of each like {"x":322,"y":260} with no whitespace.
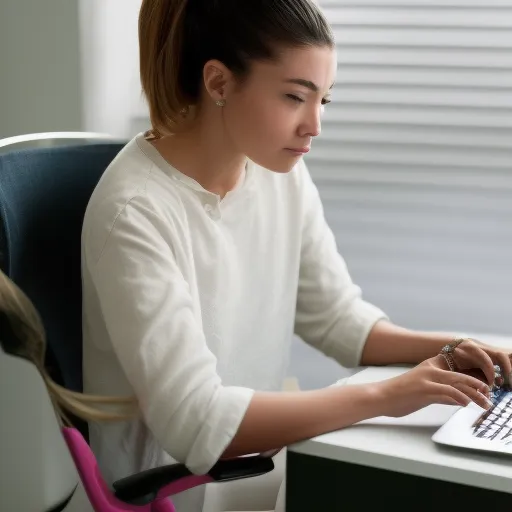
{"x":220,"y":103}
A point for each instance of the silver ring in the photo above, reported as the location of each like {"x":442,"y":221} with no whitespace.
{"x":497,"y":375}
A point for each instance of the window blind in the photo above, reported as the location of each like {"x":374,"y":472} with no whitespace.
{"x":414,"y":163}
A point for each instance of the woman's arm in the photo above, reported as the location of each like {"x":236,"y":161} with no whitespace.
{"x":390,"y":344}
{"x":331,"y":314}
{"x":274,"y":420}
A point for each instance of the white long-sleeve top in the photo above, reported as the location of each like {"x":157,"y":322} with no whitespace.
{"x":190,"y":303}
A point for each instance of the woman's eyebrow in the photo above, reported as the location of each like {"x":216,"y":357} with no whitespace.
{"x":305,"y":83}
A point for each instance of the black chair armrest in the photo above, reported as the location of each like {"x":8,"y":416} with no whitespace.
{"x":143,"y":488}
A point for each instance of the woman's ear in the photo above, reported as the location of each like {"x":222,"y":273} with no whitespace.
{"x":218,"y":80}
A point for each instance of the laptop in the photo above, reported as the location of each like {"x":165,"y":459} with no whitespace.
{"x":474,"y":428}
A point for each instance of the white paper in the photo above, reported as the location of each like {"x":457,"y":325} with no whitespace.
{"x":431,"y":416}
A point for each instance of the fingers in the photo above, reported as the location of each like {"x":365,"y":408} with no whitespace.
{"x":477,"y":373}
{"x":446,"y":400}
{"x":461,"y":388}
{"x":482,"y":360}
{"x":476,"y":396}
{"x":456,"y":378}
{"x":448,"y":395}
{"x":460,"y":394}
{"x":503,"y":360}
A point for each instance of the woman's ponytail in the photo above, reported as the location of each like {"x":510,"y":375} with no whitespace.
{"x":22,"y":334}
{"x":161,"y":52}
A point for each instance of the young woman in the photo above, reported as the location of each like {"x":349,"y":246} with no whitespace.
{"x":205,"y":248}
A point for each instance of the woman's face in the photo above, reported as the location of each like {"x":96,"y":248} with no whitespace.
{"x":274,"y":115}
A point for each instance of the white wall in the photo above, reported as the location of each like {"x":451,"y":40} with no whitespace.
{"x":110,"y":66}
{"x":40,"y":83}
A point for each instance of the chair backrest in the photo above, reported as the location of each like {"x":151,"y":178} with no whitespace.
{"x":37,"y":470}
{"x":44,"y":193}
{"x":43,"y":196}
{"x":53,"y":139}
{"x":43,"y":465}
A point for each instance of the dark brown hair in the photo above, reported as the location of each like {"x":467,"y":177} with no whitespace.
{"x":178,"y":37}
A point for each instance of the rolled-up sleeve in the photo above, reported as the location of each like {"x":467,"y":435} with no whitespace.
{"x":157,"y":336}
{"x":331,"y":313}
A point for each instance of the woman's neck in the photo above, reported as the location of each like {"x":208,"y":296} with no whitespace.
{"x":206,"y":155}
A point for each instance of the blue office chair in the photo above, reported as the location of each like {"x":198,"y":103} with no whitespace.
{"x":44,"y":192}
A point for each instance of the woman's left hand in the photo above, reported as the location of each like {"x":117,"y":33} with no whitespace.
{"x":471,"y":356}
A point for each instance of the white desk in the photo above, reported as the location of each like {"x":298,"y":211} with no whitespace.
{"x":400,"y":452}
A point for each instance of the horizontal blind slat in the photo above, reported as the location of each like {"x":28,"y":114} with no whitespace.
{"x":424,"y":96}
{"x":413,"y":4}
{"x":425,"y":17}
{"x":434,"y":38}
{"x":418,"y":56}
{"x":417,"y":114}
{"x":371,"y":133}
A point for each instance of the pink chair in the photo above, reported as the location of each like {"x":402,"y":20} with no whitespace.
{"x":149,"y":491}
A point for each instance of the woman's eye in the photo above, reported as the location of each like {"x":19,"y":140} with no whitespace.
{"x":295,"y":98}
{"x":326,"y":101}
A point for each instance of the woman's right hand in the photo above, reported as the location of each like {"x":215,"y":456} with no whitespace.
{"x":431,"y":383}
